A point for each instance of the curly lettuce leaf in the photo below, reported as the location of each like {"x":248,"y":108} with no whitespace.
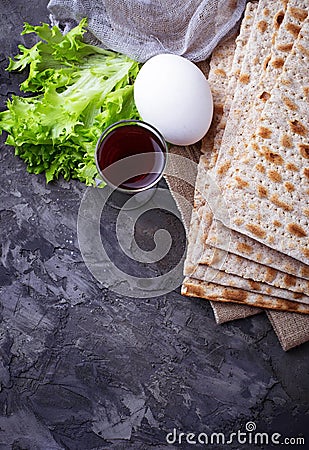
{"x":78,"y":90}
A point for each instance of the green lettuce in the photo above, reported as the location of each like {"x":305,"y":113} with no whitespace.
{"x":77,"y":91}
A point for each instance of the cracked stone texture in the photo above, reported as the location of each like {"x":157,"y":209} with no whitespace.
{"x":84,"y":368}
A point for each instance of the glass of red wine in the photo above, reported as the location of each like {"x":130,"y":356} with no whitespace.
{"x":131,"y":157}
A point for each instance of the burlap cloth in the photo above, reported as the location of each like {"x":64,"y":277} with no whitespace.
{"x":192,"y":28}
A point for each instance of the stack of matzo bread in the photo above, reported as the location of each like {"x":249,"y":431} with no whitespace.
{"x":249,"y":234}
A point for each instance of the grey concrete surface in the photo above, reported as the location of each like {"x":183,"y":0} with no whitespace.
{"x":84,"y":368}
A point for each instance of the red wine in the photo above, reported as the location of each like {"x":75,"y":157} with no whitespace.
{"x":146,"y":149}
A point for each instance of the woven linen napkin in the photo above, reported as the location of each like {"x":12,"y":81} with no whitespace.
{"x":144,"y":28}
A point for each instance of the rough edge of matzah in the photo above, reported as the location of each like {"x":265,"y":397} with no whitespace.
{"x":219,"y":64}
{"x":234,"y":310}
{"x":243,"y":198}
{"x":199,"y":274}
{"x":242,"y":42}
{"x":257,"y":272}
{"x":218,"y":276}
{"x":230,"y":59}
{"x":214,"y":292}
{"x":221,"y":237}
{"x":286,"y":282}
{"x":243,"y":91}
{"x":245,"y":268}
{"x":230,"y":240}
{"x":223,"y":54}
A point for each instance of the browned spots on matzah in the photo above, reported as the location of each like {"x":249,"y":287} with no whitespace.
{"x":306,"y":91}
{"x":270,"y":275}
{"x":293,"y":29}
{"x":259,"y":256}
{"x":242,"y":247}
{"x":224,"y":168}
{"x":286,"y":141}
{"x":275,"y":176}
{"x":256,"y":230}
{"x":276,"y":201}
{"x":277,"y":223}
{"x":266,"y":12}
{"x":278,"y":19}
{"x":303,"y":49}
{"x":260,"y":167}
{"x":220,"y":72}
{"x":285,"y":47}
{"x":305,"y":271}
{"x":289,"y":186}
{"x":216,"y":259}
{"x":254,"y":285}
{"x":264,"y":132}
{"x":241,"y":183}
{"x":262,"y":191}
{"x":239,"y":221}
{"x":197,"y":202}
{"x":231,"y":151}
{"x":296,"y":230}
{"x":264,"y":96}
{"x":271,"y":239}
{"x":304,"y":150}
{"x":277,"y":63}
{"x":306,"y":172}
{"x":236,"y":73}
{"x":239,"y":294}
{"x":306,"y":212}
{"x":285,"y":82}
{"x":289,"y":103}
{"x":266,"y":62}
{"x":272,"y":156}
{"x":215,"y":157}
{"x":255,"y":147}
{"x":193,"y":290}
{"x":298,"y":13}
{"x":305,"y":252}
{"x":208,"y":216}
{"x":262,"y":26}
{"x":244,"y":78}
{"x":295,"y":307}
{"x":238,"y":259}
{"x":190,"y":268}
{"x":291,"y":166}
{"x":297,"y":295}
{"x":297,"y":127}
{"x":284,"y":3}
{"x":290,"y":280}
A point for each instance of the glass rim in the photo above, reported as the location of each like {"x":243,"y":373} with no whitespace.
{"x":144,"y":125}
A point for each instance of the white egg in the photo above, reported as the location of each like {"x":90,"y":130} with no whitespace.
{"x":172,"y":94}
